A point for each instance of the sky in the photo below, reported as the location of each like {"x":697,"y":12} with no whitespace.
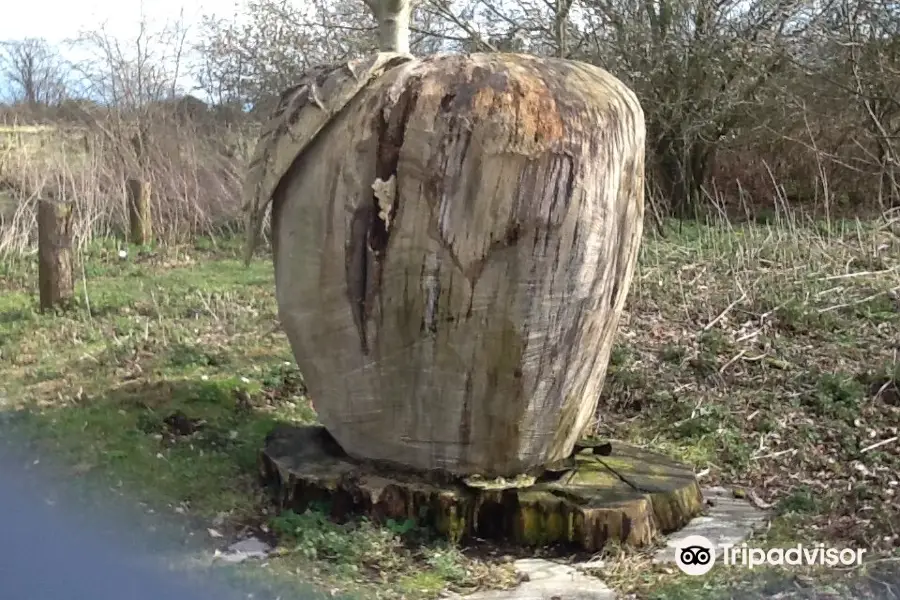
{"x":58,"y":20}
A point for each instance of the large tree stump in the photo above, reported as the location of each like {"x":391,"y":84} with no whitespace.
{"x":454,"y":239}
{"x":56,"y":281}
{"x":628,"y":496}
{"x":140,"y":224}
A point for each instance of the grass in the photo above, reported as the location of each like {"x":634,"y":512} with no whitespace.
{"x":771,"y":355}
{"x":767,"y":357}
{"x":190,"y":329}
{"x":764,"y":355}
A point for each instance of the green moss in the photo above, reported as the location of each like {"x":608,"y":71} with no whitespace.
{"x":450,"y":522}
{"x":626,"y":464}
{"x":594,"y":482}
{"x":544,"y":519}
{"x":421,"y":583}
{"x":674,"y":509}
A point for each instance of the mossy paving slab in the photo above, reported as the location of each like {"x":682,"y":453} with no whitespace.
{"x":627,"y":495}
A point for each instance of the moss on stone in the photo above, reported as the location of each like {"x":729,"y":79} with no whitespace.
{"x":449,"y":520}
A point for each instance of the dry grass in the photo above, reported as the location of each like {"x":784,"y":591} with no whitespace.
{"x":767,"y":357}
{"x":194,"y":171}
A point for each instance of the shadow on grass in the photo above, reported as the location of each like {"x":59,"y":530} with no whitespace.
{"x":192,"y":445}
{"x":15,"y":315}
{"x":134,"y":433}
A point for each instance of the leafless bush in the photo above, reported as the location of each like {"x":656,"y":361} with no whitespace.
{"x":140,"y":125}
{"x":738,"y":96}
{"x":195,"y":180}
{"x":34,"y":73}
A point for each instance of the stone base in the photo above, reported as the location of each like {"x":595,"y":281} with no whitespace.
{"x":626,"y":494}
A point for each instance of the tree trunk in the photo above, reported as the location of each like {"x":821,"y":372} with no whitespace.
{"x":140,"y":224}
{"x":453,"y":253}
{"x":682,"y":170}
{"x":56,"y":282}
{"x":393,"y":18}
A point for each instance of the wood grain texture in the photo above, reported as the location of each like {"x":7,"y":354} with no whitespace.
{"x":302,"y":112}
{"x":629,"y":497}
{"x":56,"y":277}
{"x":467,"y":325}
{"x":140,"y":222}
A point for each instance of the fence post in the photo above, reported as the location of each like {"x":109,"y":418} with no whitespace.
{"x":139,"y":221}
{"x":56,"y":282}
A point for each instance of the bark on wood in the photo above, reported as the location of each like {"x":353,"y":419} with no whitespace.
{"x":629,"y":496}
{"x":56,"y":282}
{"x":140,"y":223}
{"x":467,"y":329}
{"x":393,"y":18}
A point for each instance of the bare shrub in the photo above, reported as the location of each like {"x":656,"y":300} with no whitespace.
{"x":195,"y":178}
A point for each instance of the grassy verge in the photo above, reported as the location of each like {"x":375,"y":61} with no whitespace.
{"x":763,"y":355}
{"x":767,"y":357}
{"x":169,"y":337}
{"x":770,"y":357}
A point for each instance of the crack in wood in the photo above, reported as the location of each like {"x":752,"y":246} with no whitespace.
{"x":369,"y":233}
{"x":624,"y":479}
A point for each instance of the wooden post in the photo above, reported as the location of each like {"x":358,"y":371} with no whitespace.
{"x":55,"y":270}
{"x":139,"y":221}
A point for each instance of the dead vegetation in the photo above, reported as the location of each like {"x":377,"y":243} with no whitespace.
{"x":195,"y":178}
{"x":763,"y":355}
{"x":752,"y":107}
{"x":760,"y":343}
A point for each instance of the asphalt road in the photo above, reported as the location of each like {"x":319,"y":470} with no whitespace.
{"x":46,"y":554}
{"x":56,"y":546}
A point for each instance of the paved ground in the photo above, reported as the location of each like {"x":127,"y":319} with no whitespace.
{"x":56,"y":545}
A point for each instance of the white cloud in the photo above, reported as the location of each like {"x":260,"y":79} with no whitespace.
{"x":57,"y":20}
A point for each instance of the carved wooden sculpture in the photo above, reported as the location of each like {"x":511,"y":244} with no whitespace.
{"x":454,"y":238}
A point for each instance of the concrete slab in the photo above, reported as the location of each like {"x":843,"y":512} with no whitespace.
{"x":548,"y":580}
{"x":728,"y":521}
{"x":243,"y":550}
